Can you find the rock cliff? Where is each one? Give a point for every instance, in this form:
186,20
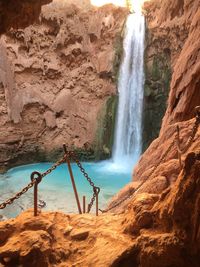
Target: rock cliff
57,77
173,27
172,34
176,26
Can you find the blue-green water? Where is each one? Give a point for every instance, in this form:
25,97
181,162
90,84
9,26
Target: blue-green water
56,189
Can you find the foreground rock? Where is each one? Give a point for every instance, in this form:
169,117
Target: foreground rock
154,230
56,239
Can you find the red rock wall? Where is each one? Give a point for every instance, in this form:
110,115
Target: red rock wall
176,23
179,22
19,13
55,78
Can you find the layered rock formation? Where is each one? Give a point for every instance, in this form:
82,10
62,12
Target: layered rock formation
57,78
172,47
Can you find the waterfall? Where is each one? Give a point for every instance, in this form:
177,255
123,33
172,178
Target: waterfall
128,132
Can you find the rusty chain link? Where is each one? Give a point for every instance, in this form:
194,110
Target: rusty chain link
54,166
177,140
118,203
18,195
96,190
31,184
192,134
136,189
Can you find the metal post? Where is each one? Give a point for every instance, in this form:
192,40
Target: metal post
88,208
97,204
36,181
36,199
73,181
178,146
84,204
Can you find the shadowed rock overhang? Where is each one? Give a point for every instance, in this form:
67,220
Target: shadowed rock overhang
19,13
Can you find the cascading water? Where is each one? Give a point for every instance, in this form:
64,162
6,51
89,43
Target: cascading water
128,132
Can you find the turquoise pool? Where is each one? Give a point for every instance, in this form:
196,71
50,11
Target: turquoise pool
56,189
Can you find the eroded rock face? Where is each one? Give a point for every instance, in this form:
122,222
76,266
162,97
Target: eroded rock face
180,21
163,229
55,78
177,25
174,28
172,48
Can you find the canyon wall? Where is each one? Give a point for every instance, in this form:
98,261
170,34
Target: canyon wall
159,224
57,82
162,201
173,29
170,28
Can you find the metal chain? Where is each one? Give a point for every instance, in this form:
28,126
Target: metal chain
135,190
31,184
54,166
18,195
190,140
96,189
191,137
118,203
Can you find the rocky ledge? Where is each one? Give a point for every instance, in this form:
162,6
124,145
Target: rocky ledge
158,230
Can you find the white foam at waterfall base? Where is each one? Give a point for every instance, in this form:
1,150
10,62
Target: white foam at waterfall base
128,131
123,165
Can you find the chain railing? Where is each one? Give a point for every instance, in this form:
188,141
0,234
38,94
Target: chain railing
96,190
32,183
36,178
191,137
16,196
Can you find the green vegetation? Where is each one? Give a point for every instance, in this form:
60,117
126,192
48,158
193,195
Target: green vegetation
155,72
105,129
118,47
156,90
